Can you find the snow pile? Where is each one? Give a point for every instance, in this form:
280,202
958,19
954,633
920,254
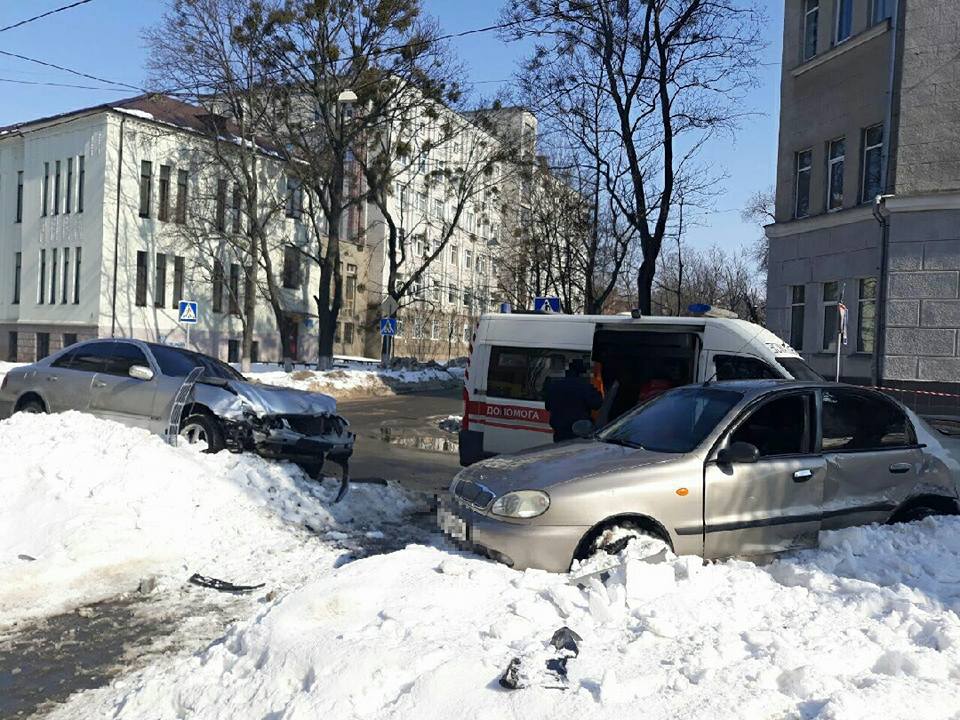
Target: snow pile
356,380
90,507
866,627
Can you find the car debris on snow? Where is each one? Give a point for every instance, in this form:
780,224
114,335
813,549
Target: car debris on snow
221,585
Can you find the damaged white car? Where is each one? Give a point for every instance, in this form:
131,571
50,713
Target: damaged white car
137,383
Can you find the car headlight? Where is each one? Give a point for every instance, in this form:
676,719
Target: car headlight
521,504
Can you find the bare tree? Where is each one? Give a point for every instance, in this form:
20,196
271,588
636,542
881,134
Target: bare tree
194,48
667,75
759,210
342,74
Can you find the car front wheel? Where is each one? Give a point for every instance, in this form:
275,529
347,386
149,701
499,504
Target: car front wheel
32,406
203,429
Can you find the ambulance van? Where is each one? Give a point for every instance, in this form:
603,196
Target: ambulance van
513,356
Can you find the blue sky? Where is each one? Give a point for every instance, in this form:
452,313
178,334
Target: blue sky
102,38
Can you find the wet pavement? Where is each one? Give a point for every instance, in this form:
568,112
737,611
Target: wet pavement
43,662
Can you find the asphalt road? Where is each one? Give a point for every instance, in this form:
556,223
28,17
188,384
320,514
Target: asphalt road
399,438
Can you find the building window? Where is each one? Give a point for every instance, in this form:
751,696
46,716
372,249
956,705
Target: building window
19,214
13,341
797,305
291,268
181,196
844,20
454,254
45,200
803,164
177,281
234,289
17,267
80,176
163,208
56,188
146,181
811,17
54,276
217,286
65,296
76,272
160,281
350,291
236,209
69,339
233,351
867,315
221,218
294,205
141,289
870,172
831,316
438,209
882,9
348,333
43,345
69,188
835,156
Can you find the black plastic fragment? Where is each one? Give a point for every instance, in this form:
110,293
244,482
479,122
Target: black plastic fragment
221,585
510,680
566,639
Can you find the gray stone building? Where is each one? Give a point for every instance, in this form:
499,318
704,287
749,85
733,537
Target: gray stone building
868,190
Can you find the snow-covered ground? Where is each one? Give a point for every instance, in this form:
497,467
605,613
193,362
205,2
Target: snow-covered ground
865,627
354,380
91,507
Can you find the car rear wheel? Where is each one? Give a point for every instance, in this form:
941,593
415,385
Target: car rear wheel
31,405
203,429
915,513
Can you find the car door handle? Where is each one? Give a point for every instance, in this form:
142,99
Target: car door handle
52,378
99,384
802,475
899,468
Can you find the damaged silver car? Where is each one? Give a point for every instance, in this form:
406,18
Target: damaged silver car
715,470
137,383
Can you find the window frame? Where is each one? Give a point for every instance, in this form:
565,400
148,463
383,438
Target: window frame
831,162
163,194
81,175
142,273
69,187
18,215
76,274
146,187
17,276
794,306
807,12
540,353
774,375
839,7
160,280
824,304
56,187
864,151
861,302
797,171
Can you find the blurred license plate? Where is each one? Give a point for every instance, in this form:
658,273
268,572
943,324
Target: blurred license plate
451,524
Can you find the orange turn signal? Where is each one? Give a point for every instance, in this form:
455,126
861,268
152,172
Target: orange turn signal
682,492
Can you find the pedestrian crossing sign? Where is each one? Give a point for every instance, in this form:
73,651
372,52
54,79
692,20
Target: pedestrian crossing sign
388,327
188,312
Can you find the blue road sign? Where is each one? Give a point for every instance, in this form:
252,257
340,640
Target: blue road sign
546,304
189,311
388,326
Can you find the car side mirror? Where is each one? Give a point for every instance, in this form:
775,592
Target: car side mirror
583,428
140,372
738,452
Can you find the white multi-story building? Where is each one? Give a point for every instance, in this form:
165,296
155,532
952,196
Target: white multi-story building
95,208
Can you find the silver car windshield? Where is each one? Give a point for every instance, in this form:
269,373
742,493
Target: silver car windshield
675,422
177,362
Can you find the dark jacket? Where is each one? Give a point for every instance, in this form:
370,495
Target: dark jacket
569,399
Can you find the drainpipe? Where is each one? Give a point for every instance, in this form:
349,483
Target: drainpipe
116,236
880,211
882,216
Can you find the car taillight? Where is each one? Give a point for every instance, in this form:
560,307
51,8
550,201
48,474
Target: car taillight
465,423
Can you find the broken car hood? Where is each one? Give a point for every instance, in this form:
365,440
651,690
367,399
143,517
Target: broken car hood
271,400
541,468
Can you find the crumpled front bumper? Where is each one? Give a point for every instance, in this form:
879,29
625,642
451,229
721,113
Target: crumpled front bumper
517,544
307,439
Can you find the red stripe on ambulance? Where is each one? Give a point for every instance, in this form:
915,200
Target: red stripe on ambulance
509,412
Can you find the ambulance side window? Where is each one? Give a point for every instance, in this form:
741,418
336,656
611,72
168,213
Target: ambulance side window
741,367
521,373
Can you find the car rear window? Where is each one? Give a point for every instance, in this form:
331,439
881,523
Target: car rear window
675,422
518,373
